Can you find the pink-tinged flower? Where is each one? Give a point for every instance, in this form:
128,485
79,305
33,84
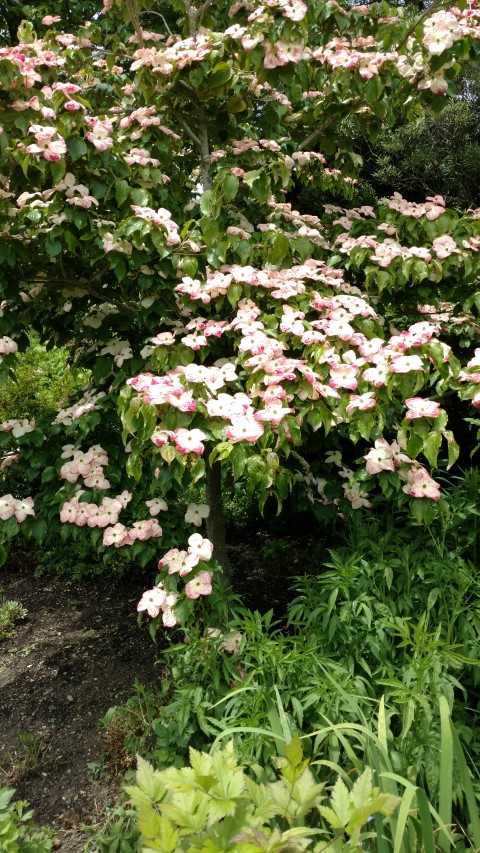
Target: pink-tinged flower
421,485
273,413
420,408
24,508
72,105
445,246
99,137
354,494
196,513
190,441
200,547
343,376
48,20
244,428
405,364
163,339
116,535
152,601
68,513
22,427
124,498
7,507
174,560
384,457
97,480
7,345
201,585
156,505
168,617
362,402
144,530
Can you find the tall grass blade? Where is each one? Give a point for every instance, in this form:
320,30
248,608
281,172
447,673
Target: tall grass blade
446,772
424,808
467,785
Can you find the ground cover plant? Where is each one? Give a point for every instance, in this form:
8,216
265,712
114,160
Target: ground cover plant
148,162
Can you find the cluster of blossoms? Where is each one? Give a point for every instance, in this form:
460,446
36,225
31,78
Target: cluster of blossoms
82,513
345,361
7,346
87,403
339,53
180,563
177,53
119,535
157,600
106,514
162,218
18,507
384,252
431,208
49,143
88,465
389,457
121,351
18,427
472,376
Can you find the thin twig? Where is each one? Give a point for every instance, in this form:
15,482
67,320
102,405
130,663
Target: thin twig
159,15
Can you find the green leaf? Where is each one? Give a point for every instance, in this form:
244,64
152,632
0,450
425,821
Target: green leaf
39,529
230,187
76,147
279,249
190,266
207,202
431,446
340,800
294,751
140,197
53,246
122,189
236,104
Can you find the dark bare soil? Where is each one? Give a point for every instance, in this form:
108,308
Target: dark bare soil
77,653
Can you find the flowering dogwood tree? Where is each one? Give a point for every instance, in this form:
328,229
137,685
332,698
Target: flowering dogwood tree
146,224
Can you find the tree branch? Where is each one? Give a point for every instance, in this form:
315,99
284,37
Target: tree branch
133,15
188,130
437,4
81,285
315,134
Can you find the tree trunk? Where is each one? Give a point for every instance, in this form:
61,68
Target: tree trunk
215,521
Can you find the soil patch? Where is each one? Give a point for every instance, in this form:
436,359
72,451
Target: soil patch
77,653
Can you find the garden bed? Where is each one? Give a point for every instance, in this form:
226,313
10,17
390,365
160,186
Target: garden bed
77,653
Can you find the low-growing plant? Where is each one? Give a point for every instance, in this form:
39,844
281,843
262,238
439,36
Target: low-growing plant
11,612
214,804
117,833
17,832
30,754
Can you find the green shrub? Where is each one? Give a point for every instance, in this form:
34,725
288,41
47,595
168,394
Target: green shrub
314,805
10,613
43,377
17,832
